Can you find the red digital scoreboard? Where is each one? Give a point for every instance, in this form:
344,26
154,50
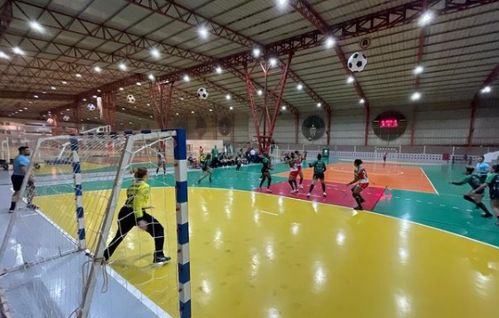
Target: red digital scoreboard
388,123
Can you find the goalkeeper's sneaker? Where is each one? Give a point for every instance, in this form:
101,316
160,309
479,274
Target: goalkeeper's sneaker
161,259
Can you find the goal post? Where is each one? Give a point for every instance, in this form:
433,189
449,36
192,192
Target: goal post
81,182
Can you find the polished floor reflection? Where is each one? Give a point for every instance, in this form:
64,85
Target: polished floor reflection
258,255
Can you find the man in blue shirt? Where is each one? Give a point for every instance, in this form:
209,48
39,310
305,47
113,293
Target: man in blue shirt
482,168
21,163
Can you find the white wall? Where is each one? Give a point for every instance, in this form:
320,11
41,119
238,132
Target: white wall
436,124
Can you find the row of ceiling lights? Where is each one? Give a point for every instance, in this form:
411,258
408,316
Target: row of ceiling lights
203,32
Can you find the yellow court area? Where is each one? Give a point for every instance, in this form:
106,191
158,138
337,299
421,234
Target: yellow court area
256,255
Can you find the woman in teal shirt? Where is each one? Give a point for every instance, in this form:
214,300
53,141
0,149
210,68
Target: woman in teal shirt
492,181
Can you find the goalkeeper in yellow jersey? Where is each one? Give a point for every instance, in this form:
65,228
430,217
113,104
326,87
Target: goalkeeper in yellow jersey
133,213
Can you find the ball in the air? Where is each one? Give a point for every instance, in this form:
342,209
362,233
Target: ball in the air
130,99
202,93
357,62
91,107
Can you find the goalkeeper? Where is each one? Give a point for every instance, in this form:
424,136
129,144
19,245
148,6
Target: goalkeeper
133,214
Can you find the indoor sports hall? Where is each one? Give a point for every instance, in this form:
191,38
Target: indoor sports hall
249,158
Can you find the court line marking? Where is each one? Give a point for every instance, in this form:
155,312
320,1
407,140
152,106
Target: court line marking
128,286
371,212
267,212
341,207
424,173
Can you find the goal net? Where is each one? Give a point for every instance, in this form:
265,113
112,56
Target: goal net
52,254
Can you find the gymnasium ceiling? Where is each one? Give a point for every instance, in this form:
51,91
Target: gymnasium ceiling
459,50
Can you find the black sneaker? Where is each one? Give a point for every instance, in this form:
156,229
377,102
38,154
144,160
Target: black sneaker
486,215
32,206
11,211
359,207
161,259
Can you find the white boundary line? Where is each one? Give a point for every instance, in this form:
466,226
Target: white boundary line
424,173
141,297
371,212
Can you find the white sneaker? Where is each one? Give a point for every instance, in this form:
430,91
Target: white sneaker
324,194
308,195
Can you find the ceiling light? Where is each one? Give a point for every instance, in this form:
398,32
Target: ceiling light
122,66
130,122
36,26
94,96
416,96
231,108
350,79
330,42
283,107
299,87
486,90
187,78
121,89
4,56
228,97
218,70
181,98
282,3
35,96
138,84
256,52
362,101
211,110
98,91
84,99
26,108
203,32
98,69
78,75
64,82
155,53
151,77
425,18
52,88
259,92
273,62
176,114
17,50
192,112
319,104
418,70
67,109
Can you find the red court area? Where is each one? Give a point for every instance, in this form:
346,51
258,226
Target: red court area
389,175
337,193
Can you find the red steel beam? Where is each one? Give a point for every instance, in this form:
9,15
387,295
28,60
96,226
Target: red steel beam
5,17
419,59
381,20
30,95
421,43
269,116
183,14
309,13
491,77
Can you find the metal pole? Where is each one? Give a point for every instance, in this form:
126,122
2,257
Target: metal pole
80,212
106,227
183,257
